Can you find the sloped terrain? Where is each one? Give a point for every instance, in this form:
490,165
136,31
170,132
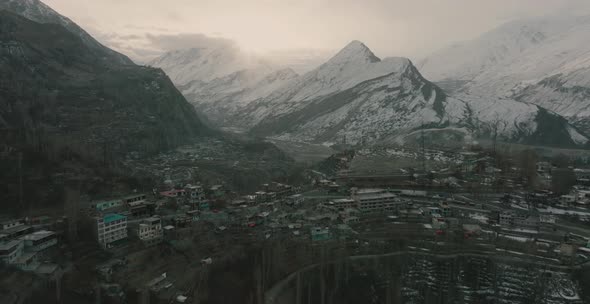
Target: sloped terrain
39,12
543,61
357,98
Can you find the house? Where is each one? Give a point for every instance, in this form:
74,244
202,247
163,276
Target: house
195,194
28,261
445,209
10,251
39,241
506,218
376,200
511,218
106,205
295,199
544,167
438,222
568,199
111,229
217,191
261,197
547,218
134,199
15,231
343,203
320,234
582,174
13,223
470,230
150,231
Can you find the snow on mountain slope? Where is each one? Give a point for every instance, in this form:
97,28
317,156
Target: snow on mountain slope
223,97
544,61
206,64
356,97
218,81
353,65
38,11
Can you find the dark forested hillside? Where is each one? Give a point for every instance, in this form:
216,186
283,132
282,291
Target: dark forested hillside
61,102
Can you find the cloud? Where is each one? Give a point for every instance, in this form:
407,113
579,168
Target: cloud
168,42
143,47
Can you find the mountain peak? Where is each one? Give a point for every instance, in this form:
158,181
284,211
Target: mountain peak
355,51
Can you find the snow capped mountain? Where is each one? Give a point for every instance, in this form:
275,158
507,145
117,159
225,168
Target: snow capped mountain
206,64
356,97
38,11
544,61
299,60
219,81
351,66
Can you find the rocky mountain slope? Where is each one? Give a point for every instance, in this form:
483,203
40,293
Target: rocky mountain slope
67,114
543,61
53,82
39,12
356,97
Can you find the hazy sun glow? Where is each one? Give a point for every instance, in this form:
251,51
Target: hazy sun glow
389,27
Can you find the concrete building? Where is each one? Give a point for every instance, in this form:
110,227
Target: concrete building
10,224
195,194
27,261
506,218
39,241
376,200
344,203
15,232
320,234
11,251
111,228
106,205
295,199
150,231
134,199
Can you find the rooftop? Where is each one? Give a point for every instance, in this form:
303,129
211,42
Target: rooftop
370,190
343,200
369,196
9,245
113,217
35,236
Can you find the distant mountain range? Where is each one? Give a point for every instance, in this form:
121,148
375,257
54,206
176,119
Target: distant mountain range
543,61
355,97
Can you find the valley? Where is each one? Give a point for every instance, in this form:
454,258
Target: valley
214,174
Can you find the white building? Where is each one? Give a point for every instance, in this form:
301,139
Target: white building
376,200
150,230
111,228
11,251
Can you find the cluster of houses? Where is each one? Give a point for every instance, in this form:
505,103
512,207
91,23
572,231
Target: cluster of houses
115,220
27,245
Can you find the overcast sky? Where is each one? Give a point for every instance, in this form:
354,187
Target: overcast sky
412,28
